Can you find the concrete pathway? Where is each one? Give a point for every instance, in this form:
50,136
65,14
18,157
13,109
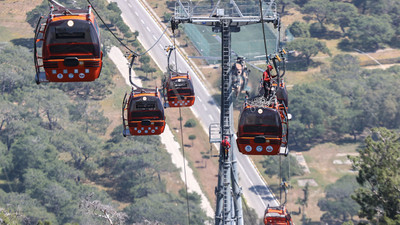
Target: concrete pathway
167,138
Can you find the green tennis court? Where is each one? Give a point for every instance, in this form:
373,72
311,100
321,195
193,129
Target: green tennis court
248,42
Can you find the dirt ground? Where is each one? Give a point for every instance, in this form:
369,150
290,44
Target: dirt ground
322,161
201,159
12,19
112,104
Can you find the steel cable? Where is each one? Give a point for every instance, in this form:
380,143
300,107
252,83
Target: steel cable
184,165
119,40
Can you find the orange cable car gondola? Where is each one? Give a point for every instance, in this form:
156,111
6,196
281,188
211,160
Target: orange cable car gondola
263,123
277,216
70,42
180,91
282,94
262,129
143,113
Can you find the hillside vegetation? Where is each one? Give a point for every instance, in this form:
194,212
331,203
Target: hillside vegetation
56,164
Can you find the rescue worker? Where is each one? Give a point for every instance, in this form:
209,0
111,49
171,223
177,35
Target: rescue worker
226,146
267,80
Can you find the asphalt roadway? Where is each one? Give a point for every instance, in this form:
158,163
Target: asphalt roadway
140,18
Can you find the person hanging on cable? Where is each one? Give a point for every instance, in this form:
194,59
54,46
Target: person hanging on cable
226,146
285,186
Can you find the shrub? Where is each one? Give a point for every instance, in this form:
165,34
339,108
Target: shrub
317,30
190,123
299,29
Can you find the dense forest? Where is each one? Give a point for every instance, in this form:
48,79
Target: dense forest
363,24
56,164
344,102
344,99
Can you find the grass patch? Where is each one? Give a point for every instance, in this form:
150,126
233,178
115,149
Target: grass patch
112,104
6,35
320,160
198,154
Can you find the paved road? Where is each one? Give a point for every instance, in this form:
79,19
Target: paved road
257,194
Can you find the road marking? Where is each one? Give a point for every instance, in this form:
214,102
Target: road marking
260,178
130,6
252,184
198,98
137,14
141,21
161,46
205,107
155,38
209,115
148,29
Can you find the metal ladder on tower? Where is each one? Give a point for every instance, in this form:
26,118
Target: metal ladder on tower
227,86
226,122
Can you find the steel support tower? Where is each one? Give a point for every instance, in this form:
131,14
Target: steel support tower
228,192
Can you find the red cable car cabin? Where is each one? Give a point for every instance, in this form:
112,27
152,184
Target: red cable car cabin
180,90
70,47
282,95
262,130
277,216
145,113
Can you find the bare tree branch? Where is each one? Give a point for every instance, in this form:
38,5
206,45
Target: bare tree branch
96,208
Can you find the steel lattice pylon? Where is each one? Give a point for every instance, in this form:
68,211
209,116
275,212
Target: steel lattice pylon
225,17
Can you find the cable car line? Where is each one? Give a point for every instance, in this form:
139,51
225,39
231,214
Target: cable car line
59,5
166,84
132,54
263,29
176,61
120,41
181,127
151,47
184,165
108,28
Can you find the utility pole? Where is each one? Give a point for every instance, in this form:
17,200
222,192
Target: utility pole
225,21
